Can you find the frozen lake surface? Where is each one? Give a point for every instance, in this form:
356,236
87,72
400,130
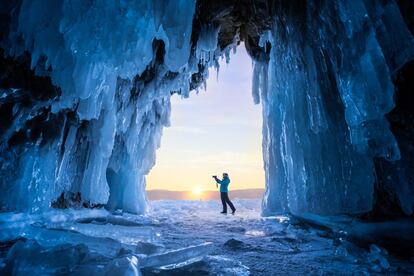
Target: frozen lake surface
181,237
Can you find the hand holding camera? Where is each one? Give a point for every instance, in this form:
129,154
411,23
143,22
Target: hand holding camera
215,177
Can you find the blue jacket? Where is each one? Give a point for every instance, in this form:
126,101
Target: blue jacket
224,184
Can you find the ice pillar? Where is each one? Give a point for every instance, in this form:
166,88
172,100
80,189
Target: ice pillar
325,92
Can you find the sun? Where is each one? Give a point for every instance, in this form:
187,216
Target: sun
197,191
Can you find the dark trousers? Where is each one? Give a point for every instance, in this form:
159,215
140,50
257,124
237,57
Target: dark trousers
225,199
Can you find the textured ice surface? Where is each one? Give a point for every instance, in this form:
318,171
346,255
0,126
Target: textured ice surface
325,92
190,237
120,242
94,51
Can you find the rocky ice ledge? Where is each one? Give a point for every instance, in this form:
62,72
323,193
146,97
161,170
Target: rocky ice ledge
88,241
192,237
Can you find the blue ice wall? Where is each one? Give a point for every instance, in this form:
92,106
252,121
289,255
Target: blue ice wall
325,89
92,51
325,92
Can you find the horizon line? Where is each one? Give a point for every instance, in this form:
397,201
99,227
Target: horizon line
149,190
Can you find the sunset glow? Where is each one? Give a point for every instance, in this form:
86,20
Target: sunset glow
215,131
197,191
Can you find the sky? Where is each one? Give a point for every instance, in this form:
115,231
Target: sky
217,130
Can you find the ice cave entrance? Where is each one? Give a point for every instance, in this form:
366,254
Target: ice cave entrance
217,130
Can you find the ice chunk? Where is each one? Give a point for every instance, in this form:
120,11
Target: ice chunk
49,238
123,234
28,257
125,266
378,260
88,227
177,258
395,235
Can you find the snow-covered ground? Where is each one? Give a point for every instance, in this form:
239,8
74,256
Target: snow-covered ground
181,237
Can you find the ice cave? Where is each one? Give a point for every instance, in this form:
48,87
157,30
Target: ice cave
85,89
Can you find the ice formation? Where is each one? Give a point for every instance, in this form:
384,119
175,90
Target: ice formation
191,238
324,98
94,51
93,242
322,71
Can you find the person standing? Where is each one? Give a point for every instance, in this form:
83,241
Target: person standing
224,193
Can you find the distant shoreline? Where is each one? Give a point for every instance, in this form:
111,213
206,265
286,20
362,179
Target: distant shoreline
160,194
